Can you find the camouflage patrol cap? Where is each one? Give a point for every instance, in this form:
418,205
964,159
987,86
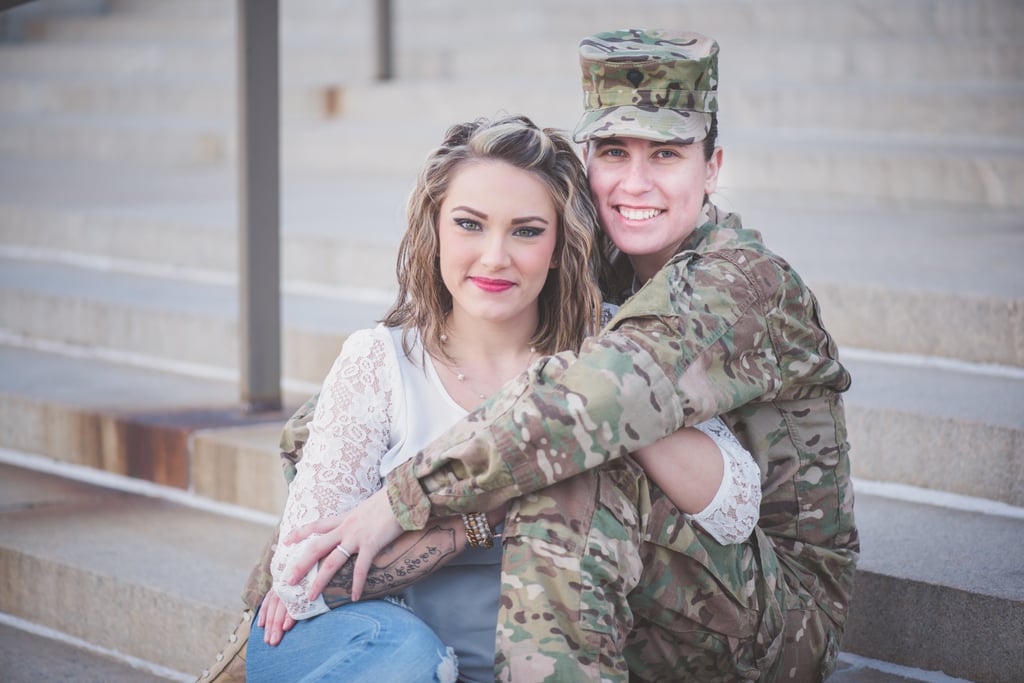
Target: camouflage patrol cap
654,84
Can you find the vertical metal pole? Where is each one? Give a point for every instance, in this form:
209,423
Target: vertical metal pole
259,205
385,48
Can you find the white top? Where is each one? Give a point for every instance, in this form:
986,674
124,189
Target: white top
378,408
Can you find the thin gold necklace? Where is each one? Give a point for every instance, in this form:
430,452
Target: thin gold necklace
461,376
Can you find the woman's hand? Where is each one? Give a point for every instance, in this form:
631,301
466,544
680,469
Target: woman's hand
274,619
360,533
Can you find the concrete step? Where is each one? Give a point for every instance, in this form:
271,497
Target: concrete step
918,109
169,321
300,22
941,428
986,172
336,235
29,654
71,550
135,421
864,19
324,62
870,19
819,61
189,99
895,168
947,429
438,47
154,21
903,279
915,610
173,323
934,428
178,590
915,108
893,279
167,141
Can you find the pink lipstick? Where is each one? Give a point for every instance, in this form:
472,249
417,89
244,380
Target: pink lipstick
489,285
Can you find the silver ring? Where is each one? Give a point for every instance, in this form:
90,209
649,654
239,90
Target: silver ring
342,549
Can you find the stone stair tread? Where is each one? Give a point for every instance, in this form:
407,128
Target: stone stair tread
869,16
930,248
825,60
217,60
151,424
341,232
339,314
47,516
918,108
969,251
939,427
200,558
340,205
937,578
366,207
850,252
176,572
920,167
946,393
866,19
218,301
948,429
27,657
101,386
898,538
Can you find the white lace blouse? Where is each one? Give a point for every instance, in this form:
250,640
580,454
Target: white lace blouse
361,430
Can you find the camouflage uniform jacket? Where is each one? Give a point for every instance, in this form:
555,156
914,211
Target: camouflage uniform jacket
725,328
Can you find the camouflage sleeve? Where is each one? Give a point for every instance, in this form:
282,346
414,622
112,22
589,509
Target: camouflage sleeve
692,344
294,436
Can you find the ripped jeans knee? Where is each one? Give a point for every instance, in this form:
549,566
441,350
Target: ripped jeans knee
370,641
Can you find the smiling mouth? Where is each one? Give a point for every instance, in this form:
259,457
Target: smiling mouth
638,214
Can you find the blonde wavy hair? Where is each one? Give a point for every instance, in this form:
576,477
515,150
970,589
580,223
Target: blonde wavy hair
570,302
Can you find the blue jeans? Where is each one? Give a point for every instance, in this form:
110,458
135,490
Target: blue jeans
371,641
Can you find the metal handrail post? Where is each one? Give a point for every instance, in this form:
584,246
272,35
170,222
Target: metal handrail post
259,209
385,44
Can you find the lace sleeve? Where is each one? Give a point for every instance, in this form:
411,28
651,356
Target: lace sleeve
348,436
733,513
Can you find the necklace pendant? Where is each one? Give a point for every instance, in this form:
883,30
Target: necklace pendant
459,376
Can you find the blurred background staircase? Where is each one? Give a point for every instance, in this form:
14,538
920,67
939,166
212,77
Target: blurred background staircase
878,145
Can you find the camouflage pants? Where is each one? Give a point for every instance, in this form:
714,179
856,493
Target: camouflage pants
592,590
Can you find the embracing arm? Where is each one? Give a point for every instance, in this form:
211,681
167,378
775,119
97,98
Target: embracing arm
399,564
667,362
702,338
403,562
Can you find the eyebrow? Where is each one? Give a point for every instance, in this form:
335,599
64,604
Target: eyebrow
515,221
618,141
